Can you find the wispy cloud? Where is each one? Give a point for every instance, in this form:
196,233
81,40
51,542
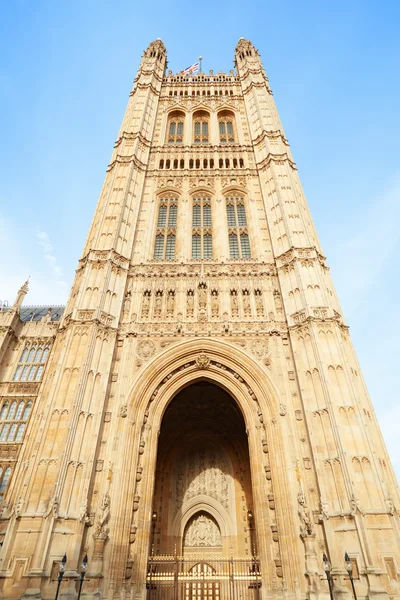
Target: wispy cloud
45,243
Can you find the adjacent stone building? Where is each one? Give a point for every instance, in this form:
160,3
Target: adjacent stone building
195,419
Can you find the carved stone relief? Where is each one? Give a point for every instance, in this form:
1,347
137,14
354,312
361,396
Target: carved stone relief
203,472
145,349
202,530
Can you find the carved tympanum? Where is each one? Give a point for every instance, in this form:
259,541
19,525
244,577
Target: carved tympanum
202,530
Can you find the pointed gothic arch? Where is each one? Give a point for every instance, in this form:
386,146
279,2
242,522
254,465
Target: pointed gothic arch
152,390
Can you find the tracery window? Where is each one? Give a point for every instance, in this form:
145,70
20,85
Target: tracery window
5,472
175,127
239,243
13,419
164,246
31,363
201,227
200,127
226,127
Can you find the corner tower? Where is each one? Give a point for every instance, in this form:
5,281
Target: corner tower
201,428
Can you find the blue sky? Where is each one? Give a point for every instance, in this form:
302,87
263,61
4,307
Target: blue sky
66,69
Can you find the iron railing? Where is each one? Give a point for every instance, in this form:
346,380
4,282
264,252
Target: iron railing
205,578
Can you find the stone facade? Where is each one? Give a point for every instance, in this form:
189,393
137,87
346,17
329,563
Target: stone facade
200,391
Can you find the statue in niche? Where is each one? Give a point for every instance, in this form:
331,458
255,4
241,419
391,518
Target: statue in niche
259,303
306,527
234,303
146,303
202,295
246,303
214,303
202,530
278,302
171,302
158,304
190,303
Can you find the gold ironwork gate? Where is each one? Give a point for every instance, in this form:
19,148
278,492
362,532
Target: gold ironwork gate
208,578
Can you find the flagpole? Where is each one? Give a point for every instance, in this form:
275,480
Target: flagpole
200,59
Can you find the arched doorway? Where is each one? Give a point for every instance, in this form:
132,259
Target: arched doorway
203,529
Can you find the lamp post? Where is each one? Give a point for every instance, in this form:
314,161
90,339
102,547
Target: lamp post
61,572
153,529
83,572
349,569
327,569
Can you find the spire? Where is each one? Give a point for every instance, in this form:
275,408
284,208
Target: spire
22,292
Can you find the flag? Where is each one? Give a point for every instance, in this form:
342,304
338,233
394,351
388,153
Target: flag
190,70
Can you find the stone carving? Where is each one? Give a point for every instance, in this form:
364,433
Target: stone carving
202,530
52,507
132,534
18,506
306,526
259,347
390,505
202,295
123,411
234,303
324,510
246,303
202,472
102,529
190,303
158,304
259,303
203,361
145,349
171,303
146,304
214,303
282,409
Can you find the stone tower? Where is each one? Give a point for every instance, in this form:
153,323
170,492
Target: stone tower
195,420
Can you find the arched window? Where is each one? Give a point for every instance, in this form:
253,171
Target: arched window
21,406
4,411
201,227
164,247
31,363
4,479
20,433
27,411
176,120
13,420
239,243
200,127
226,124
11,411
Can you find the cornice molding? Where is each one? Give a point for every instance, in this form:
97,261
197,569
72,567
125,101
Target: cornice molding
275,158
128,135
299,254
270,135
126,160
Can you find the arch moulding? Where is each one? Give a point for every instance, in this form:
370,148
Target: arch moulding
150,393
202,358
